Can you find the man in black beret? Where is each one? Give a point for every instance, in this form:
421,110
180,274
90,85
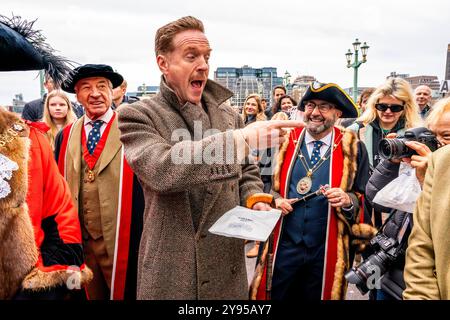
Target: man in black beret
104,189
311,243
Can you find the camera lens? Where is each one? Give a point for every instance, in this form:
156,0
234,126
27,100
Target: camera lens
355,277
394,149
385,149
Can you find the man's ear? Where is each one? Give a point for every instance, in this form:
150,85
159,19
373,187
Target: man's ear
163,63
339,113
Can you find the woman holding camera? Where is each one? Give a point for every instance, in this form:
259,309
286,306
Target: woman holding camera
392,283
391,108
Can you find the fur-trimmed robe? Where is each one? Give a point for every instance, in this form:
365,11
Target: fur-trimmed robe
349,152
40,238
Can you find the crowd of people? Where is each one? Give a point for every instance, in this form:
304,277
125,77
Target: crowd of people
99,201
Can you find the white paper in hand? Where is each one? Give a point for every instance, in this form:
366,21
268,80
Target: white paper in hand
244,223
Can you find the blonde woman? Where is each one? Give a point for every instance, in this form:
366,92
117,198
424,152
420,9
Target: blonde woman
391,108
57,114
253,109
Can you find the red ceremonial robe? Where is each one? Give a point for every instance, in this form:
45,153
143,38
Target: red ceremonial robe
129,218
342,173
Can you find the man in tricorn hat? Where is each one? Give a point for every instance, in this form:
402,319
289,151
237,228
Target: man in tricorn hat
105,190
310,245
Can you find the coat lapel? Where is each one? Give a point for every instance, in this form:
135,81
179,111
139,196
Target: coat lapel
74,147
112,146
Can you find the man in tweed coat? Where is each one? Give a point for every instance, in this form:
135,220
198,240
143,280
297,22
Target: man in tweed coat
189,184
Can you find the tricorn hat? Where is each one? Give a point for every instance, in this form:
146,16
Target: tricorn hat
89,71
22,48
332,93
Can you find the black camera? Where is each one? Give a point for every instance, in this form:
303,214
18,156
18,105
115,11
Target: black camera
386,252
397,149
387,247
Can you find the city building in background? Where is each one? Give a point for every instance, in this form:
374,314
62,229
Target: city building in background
298,88
398,75
415,81
431,81
18,104
247,80
144,91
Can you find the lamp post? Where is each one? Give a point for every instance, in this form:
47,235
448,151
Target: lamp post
287,82
41,82
356,63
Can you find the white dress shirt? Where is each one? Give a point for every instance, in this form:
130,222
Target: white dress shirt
309,140
106,118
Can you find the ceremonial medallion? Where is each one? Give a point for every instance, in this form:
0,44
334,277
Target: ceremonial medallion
304,185
90,176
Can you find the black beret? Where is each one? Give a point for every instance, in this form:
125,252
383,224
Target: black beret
89,71
332,93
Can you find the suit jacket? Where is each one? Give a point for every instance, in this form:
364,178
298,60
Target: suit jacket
427,269
107,177
176,259
34,109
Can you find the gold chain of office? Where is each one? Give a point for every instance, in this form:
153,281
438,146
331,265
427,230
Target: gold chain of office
11,134
304,184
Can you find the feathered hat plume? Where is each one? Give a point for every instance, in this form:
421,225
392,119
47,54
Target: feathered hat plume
23,48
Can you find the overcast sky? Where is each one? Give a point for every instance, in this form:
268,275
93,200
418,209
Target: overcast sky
303,37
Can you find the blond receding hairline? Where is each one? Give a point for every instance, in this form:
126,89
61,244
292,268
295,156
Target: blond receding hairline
165,35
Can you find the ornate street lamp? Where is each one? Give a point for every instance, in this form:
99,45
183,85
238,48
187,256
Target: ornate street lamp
356,63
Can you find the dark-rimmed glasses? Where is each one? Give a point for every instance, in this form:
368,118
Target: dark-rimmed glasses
323,107
393,107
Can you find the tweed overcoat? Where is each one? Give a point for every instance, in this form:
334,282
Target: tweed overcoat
176,260
427,268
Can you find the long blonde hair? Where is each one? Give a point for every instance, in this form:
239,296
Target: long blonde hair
400,89
47,118
260,115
